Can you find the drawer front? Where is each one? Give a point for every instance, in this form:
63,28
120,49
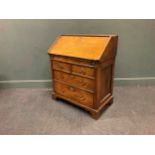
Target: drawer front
83,70
74,93
74,60
61,66
74,80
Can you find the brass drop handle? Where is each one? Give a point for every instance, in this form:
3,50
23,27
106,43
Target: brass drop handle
82,83
60,66
82,70
62,76
71,88
82,98
71,76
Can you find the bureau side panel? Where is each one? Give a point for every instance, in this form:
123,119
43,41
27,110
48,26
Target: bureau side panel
104,82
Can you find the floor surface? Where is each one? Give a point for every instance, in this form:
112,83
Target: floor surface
32,111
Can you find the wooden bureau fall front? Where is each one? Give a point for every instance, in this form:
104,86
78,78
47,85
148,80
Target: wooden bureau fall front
82,70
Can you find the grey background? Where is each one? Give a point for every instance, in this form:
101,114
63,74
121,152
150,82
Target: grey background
24,44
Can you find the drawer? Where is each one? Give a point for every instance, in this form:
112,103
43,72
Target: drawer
74,80
61,66
74,60
86,71
74,94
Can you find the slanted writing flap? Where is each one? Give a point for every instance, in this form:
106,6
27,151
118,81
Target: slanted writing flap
80,46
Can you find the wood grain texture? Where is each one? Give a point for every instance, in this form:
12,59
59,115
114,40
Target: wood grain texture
61,66
85,47
74,93
83,70
76,61
74,80
84,82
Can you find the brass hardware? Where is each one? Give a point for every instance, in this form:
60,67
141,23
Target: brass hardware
82,71
71,76
93,63
72,89
82,98
81,81
60,66
83,84
62,76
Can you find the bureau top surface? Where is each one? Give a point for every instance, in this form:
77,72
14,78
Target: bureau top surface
80,46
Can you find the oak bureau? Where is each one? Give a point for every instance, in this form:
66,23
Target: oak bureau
82,70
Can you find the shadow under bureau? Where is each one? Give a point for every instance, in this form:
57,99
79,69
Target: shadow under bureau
82,70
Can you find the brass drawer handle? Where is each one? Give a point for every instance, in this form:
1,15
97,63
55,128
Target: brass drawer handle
82,98
60,66
62,77
71,76
71,88
82,71
82,83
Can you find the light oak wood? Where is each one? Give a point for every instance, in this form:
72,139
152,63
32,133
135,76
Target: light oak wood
76,61
86,47
90,72
83,70
74,93
61,66
87,84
